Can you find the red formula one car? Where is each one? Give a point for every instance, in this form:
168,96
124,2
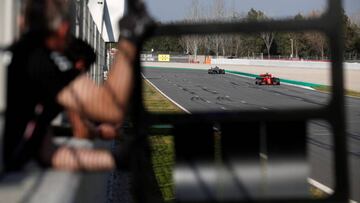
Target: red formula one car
267,79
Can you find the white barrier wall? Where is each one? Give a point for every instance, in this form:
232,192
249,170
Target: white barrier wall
7,35
281,63
7,24
4,61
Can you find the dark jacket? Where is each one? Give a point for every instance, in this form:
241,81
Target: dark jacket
35,77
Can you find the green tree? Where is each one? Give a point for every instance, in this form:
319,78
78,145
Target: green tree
351,36
267,37
163,44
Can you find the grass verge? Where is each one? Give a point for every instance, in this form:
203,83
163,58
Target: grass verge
324,88
316,193
156,102
162,146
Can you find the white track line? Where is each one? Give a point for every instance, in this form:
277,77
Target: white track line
162,93
320,186
324,188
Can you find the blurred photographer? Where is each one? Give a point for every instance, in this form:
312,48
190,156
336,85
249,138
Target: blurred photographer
40,68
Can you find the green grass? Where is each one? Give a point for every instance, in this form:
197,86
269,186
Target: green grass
163,162
162,146
324,88
155,102
316,193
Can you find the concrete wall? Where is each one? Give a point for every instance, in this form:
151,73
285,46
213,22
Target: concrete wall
7,21
306,71
311,75
2,81
282,63
8,12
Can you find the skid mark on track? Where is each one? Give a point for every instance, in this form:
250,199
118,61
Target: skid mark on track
208,90
197,98
234,83
281,92
222,98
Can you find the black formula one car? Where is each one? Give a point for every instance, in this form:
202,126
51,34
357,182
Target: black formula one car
267,79
216,70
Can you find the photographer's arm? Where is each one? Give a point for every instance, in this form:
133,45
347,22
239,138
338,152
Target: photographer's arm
106,102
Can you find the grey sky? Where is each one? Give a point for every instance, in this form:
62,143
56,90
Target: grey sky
170,10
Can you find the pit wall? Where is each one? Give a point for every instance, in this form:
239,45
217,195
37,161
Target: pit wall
310,74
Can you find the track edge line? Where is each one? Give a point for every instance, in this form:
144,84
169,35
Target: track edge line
167,97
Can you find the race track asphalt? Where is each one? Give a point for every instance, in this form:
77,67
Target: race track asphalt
195,90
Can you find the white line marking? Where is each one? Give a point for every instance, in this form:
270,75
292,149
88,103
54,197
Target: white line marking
241,75
181,107
244,102
324,188
321,186
223,108
207,101
263,156
304,87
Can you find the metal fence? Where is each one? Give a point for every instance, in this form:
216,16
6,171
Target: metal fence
192,154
